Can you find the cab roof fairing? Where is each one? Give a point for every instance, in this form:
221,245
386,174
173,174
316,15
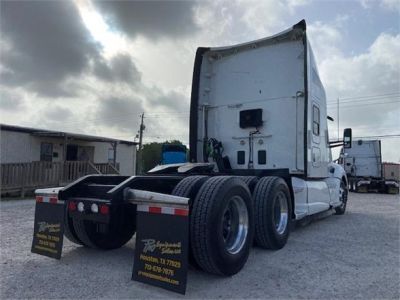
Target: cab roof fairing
295,33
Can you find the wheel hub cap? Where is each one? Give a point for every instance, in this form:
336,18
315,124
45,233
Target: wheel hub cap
235,224
280,213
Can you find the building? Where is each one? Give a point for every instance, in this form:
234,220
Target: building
391,171
60,155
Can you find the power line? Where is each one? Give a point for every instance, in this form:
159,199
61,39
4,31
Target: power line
165,135
363,101
168,113
378,136
161,117
366,104
366,96
369,127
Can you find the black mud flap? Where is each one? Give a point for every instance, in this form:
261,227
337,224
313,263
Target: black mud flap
48,233
162,242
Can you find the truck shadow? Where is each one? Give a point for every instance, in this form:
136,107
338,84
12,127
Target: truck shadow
306,221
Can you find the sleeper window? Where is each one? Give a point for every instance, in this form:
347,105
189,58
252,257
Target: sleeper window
315,120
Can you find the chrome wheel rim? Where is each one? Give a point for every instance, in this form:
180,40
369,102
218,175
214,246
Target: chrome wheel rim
280,213
235,224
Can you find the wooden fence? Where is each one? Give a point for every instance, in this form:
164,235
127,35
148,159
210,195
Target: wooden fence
25,177
107,168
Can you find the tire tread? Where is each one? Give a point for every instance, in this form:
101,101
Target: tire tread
200,216
264,235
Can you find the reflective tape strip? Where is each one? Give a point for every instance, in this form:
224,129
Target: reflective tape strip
48,199
163,210
155,209
181,212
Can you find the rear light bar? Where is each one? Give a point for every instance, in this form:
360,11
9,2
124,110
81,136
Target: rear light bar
94,207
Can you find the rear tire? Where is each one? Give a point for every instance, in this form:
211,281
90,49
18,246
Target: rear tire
251,181
221,225
188,187
114,235
340,210
273,212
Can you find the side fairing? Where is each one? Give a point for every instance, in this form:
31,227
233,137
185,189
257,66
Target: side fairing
336,175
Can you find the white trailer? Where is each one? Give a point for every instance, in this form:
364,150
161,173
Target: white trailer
363,165
260,158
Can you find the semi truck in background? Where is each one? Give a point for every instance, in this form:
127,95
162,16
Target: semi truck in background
363,165
260,159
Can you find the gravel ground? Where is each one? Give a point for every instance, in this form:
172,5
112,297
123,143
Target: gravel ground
351,256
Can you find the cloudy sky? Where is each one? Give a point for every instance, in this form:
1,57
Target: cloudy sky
93,67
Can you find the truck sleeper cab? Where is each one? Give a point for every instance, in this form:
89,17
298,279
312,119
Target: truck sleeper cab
259,158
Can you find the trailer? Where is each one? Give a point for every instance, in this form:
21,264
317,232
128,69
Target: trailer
391,171
260,159
363,165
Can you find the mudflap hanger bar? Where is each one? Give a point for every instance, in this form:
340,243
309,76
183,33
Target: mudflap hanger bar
157,199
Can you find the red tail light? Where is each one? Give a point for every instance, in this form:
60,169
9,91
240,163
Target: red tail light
104,209
71,206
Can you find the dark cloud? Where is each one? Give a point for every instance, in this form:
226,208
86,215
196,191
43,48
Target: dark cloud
46,42
154,19
167,101
120,68
121,113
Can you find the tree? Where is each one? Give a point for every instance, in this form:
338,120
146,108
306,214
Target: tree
152,153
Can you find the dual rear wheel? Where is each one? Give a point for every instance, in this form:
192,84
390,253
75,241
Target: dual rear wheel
226,217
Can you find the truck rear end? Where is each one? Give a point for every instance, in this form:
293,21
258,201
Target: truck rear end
363,165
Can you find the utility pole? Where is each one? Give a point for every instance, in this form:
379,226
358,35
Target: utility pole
338,133
140,153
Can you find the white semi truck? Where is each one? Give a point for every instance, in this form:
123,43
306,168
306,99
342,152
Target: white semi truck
260,159
363,165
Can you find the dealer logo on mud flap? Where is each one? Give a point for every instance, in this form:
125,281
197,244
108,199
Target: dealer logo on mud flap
161,253
48,232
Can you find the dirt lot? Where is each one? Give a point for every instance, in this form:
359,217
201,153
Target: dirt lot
352,256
